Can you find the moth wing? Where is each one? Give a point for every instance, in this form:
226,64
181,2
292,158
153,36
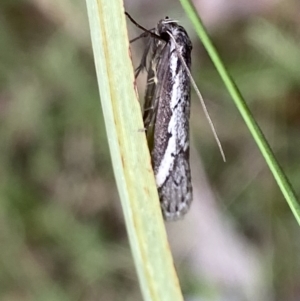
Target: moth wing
176,193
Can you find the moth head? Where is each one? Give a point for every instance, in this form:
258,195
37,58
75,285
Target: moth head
165,26
168,27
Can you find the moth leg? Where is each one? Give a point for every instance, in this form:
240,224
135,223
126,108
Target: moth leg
143,35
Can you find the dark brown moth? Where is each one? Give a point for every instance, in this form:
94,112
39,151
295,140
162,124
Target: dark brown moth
166,114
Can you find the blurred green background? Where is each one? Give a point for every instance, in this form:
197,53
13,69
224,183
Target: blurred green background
62,234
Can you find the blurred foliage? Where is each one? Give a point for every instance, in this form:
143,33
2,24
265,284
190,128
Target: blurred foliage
263,58
62,235
59,223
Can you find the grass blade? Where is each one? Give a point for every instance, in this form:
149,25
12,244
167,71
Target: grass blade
240,103
129,152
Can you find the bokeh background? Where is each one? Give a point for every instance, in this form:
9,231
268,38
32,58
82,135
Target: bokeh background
62,233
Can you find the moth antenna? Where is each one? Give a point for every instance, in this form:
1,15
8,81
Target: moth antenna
149,32
200,97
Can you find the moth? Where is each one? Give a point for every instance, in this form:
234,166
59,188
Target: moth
166,113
